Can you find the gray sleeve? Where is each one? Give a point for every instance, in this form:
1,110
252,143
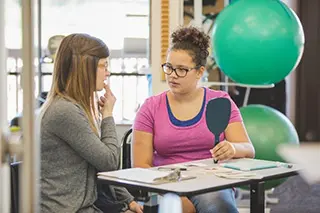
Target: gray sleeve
71,125
121,194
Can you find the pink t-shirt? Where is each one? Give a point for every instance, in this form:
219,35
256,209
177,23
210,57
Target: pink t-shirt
176,144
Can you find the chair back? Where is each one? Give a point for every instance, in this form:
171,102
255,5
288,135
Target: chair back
126,149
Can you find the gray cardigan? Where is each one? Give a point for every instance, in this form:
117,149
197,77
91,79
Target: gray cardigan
71,156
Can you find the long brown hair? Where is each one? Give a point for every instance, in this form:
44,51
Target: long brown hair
75,71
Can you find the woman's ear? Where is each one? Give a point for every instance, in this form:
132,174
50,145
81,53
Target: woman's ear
200,72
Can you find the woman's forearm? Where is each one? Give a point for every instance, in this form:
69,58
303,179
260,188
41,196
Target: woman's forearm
142,165
244,150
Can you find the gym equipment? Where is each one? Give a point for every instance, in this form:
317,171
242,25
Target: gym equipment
257,42
268,128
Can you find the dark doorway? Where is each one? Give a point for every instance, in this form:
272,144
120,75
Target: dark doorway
308,74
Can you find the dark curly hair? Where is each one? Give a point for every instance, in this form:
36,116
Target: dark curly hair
194,41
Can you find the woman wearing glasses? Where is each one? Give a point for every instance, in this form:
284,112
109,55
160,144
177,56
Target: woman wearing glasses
171,128
77,139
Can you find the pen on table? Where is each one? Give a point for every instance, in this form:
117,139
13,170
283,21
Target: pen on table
286,165
214,160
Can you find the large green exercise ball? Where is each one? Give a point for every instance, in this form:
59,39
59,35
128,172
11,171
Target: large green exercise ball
267,128
257,42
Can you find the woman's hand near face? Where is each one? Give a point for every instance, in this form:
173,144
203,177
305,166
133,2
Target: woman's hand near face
107,102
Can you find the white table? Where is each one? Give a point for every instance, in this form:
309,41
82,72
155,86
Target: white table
204,183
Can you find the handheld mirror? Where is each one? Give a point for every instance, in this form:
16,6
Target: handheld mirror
218,112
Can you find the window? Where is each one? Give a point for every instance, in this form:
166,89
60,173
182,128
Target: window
122,24
127,83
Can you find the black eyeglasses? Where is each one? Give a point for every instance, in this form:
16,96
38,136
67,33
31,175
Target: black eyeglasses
179,71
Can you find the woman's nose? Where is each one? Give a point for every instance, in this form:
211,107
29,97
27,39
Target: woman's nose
173,74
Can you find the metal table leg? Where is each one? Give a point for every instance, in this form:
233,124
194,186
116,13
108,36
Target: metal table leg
151,206
257,200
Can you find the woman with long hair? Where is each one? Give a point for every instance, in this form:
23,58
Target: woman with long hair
78,137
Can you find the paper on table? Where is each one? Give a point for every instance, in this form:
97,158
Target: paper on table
136,174
233,174
142,175
195,165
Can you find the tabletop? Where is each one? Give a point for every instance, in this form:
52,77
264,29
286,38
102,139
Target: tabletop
205,180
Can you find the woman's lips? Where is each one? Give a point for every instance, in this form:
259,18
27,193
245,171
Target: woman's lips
174,84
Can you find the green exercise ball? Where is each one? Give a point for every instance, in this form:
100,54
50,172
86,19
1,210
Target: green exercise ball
267,128
257,42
